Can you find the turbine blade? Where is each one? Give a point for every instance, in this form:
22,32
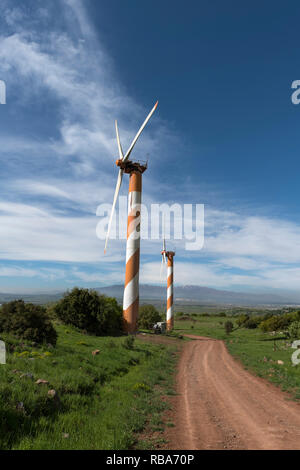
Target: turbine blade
121,155
139,132
161,268
117,190
164,237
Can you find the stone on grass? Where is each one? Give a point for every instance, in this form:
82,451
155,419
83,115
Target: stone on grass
27,374
41,382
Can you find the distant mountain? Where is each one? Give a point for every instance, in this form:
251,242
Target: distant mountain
40,299
183,295
200,295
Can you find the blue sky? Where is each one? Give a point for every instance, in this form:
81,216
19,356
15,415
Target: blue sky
225,134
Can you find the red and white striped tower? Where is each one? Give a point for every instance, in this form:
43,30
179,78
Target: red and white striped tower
131,289
135,170
169,255
170,313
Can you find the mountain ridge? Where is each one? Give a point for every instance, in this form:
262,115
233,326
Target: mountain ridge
200,295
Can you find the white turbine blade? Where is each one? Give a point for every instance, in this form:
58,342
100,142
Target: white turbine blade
161,268
118,186
121,155
164,240
140,131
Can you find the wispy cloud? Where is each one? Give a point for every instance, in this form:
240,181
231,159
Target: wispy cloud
59,165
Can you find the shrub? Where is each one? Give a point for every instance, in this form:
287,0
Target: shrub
128,342
27,321
228,327
89,311
148,315
294,330
242,319
278,322
141,387
252,323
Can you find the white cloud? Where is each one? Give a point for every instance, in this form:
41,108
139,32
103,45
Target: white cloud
75,170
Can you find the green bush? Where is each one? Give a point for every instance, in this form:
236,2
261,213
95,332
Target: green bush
89,311
278,322
228,327
294,330
148,315
252,323
27,321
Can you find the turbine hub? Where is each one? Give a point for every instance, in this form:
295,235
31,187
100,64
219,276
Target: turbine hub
130,167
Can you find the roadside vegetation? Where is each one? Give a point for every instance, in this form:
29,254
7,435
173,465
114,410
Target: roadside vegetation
82,391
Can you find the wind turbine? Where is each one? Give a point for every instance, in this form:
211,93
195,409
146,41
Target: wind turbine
135,171
167,257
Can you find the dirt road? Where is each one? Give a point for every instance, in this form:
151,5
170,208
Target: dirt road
222,406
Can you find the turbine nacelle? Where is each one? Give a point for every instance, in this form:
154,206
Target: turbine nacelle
168,254
129,167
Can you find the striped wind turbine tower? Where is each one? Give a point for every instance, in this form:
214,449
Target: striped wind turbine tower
168,257
135,171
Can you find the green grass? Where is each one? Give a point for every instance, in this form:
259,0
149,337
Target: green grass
104,401
253,348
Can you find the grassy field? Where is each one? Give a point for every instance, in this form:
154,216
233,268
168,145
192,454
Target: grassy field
253,348
100,402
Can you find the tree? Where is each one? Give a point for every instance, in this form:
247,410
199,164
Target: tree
27,321
278,322
252,323
148,315
87,310
242,319
294,330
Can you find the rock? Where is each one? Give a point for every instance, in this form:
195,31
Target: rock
52,394
280,362
41,381
30,376
96,352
